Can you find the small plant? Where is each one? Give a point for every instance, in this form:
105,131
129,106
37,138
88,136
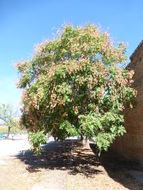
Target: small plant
36,139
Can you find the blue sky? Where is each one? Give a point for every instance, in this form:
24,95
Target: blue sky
24,23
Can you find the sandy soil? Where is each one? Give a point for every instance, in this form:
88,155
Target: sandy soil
12,147
20,169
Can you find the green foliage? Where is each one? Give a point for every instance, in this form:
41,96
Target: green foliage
76,85
15,129
9,117
102,128
36,139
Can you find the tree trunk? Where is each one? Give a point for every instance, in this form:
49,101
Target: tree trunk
81,137
8,132
85,143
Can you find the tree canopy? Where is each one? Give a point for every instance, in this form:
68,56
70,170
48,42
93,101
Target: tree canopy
8,116
76,85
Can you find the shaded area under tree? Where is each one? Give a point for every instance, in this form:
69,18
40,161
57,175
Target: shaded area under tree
56,156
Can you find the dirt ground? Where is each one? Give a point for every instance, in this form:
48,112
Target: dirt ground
52,170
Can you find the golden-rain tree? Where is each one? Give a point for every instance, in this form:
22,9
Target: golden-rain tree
76,85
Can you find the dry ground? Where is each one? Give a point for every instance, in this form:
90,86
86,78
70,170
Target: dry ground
52,170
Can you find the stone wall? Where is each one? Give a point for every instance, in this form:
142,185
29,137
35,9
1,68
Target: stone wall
131,144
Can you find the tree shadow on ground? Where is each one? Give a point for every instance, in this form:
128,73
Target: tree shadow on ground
85,162
118,168
57,155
